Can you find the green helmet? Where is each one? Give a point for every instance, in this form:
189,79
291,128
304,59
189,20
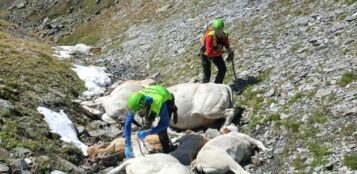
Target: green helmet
218,24
136,101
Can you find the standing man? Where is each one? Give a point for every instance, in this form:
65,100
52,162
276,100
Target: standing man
213,41
151,102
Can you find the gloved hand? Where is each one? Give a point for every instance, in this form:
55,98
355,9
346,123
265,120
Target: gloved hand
142,134
127,152
230,56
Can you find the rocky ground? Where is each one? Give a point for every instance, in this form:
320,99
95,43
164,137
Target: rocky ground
296,62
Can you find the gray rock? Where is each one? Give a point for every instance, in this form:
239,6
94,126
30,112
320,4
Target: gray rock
270,93
80,129
5,104
19,166
351,17
113,131
97,133
21,152
4,168
18,4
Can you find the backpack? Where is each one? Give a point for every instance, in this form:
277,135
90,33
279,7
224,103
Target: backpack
203,38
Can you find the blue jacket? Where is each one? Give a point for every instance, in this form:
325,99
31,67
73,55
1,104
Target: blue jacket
162,125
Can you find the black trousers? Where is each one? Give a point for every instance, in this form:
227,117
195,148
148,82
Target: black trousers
206,65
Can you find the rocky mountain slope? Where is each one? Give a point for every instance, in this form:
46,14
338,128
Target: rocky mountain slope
296,62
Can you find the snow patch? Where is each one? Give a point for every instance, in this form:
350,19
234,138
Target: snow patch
59,123
95,78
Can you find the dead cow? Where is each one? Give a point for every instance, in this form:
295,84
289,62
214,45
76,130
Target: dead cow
200,105
189,146
158,163
225,152
117,147
115,104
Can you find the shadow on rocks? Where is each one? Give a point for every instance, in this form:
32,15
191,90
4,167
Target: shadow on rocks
240,84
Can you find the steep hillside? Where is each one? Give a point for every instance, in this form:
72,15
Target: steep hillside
31,77
296,62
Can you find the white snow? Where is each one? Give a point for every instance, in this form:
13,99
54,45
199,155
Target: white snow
62,51
59,123
95,78
57,172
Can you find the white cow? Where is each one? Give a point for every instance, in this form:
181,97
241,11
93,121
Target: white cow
158,163
225,152
202,104
83,49
115,104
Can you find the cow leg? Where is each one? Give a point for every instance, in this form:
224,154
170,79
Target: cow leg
256,143
229,115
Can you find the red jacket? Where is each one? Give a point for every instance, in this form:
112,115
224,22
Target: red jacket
215,51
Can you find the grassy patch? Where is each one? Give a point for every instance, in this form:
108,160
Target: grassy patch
28,71
350,2
317,117
295,47
348,129
298,163
264,75
347,78
319,152
292,125
5,112
87,34
251,98
351,161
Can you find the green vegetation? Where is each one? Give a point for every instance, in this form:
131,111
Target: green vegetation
319,152
317,118
87,7
348,130
350,2
295,47
347,78
29,74
251,98
351,161
298,163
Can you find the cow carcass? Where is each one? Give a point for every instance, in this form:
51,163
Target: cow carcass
115,104
158,163
200,105
189,146
151,144
225,152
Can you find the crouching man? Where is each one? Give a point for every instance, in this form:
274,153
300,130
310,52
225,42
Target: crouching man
153,101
